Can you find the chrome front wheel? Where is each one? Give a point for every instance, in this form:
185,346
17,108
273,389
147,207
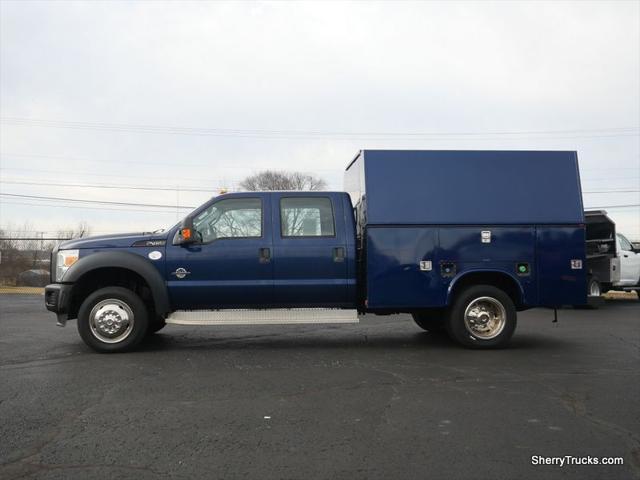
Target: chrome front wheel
111,320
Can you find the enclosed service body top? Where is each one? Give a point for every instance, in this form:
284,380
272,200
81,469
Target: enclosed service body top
446,187
427,220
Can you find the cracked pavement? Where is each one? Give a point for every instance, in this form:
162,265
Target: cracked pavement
381,399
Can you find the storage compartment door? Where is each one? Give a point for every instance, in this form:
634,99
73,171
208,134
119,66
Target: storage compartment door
562,269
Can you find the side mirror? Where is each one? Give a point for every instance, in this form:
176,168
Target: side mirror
186,234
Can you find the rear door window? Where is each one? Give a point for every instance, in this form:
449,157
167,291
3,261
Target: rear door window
306,217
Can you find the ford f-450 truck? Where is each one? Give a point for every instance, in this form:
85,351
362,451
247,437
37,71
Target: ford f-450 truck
461,240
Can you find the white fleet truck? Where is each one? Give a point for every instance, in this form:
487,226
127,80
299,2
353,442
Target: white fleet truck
613,261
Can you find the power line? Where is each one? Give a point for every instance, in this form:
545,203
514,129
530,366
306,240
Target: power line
190,189
301,134
117,187
94,173
86,207
630,205
33,238
180,163
101,202
178,181
177,163
610,168
608,179
611,191
231,186
42,232
91,160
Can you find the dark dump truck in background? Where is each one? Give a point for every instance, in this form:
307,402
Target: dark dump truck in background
461,240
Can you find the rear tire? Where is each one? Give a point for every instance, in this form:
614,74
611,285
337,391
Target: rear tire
594,289
594,294
430,320
112,319
482,316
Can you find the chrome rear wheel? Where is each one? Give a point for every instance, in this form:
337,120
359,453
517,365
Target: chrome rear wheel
482,316
485,318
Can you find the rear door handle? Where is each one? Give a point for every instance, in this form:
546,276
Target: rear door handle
265,255
338,254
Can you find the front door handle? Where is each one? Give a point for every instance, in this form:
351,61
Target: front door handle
181,272
265,255
338,254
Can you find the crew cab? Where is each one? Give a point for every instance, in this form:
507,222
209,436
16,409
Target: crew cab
461,240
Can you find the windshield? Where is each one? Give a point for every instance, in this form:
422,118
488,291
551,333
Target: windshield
624,243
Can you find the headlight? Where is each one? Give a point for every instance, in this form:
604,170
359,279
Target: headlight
64,260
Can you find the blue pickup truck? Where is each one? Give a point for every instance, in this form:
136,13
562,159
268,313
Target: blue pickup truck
461,240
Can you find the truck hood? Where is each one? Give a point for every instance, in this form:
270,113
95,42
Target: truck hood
122,240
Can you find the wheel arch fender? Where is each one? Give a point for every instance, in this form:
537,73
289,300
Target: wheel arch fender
497,278
126,261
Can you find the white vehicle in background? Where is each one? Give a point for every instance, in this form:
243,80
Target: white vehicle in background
612,260
629,264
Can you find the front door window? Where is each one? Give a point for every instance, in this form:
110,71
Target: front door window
232,218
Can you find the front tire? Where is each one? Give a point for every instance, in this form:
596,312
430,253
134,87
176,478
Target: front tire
482,316
112,319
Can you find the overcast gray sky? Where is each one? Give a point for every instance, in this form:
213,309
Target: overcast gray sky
198,95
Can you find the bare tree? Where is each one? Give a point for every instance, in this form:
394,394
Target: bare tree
83,229
278,180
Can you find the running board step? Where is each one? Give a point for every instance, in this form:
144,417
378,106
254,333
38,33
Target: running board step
279,316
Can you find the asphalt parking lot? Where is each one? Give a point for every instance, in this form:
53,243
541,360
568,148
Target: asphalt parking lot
381,399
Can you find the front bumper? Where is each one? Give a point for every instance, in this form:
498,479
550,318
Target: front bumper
57,297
